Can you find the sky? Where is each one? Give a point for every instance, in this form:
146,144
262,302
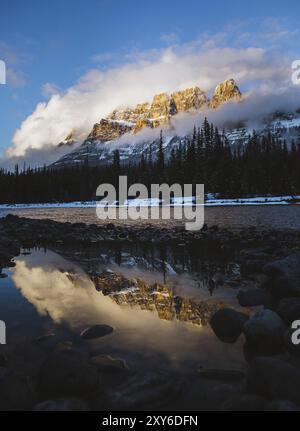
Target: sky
71,61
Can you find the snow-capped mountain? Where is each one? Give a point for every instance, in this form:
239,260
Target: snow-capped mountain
99,146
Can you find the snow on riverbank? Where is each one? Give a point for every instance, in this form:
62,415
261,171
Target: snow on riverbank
261,200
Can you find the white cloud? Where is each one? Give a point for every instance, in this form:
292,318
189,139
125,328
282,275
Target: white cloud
98,92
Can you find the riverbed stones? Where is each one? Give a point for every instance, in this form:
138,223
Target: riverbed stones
62,405
274,378
222,374
264,333
245,403
96,331
108,363
15,392
289,309
285,275
67,373
228,324
281,406
249,297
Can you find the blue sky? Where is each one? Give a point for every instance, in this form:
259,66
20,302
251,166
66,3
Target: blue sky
59,41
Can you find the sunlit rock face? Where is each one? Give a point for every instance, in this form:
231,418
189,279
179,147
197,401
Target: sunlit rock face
155,297
108,130
189,99
227,90
160,111
69,140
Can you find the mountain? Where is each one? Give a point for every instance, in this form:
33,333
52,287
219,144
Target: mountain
98,148
98,144
162,108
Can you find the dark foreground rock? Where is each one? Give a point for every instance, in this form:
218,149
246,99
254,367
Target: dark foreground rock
228,324
62,405
289,310
285,275
274,379
264,333
245,403
249,297
282,406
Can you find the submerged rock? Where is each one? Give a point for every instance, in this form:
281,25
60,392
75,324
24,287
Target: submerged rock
222,374
96,331
67,373
107,363
62,405
227,324
15,393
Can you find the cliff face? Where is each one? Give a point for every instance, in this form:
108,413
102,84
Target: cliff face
107,130
227,90
161,110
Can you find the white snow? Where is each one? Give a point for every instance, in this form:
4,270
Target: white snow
185,201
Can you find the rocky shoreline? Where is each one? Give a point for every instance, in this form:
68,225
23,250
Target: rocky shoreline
76,380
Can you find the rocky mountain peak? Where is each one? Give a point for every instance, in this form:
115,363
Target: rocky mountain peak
160,110
227,90
189,99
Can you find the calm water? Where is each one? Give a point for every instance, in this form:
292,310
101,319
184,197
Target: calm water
49,291
261,216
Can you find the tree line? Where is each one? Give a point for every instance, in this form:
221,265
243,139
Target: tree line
263,165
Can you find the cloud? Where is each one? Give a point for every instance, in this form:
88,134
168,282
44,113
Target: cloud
205,62
49,89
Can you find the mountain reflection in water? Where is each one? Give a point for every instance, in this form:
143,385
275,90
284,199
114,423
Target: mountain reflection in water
150,316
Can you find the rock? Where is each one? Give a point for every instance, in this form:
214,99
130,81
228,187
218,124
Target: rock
3,360
264,333
252,266
293,349
158,389
245,403
274,378
249,297
281,406
67,373
285,275
227,324
15,393
217,395
289,309
62,405
227,90
107,363
222,374
96,331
